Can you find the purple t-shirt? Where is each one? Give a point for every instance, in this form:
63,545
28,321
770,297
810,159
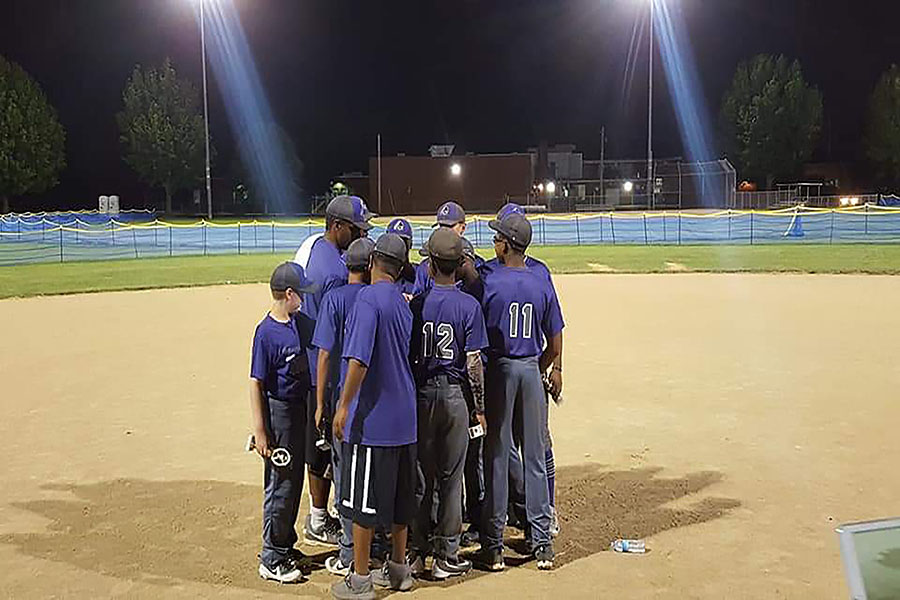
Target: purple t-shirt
327,270
425,282
377,335
278,358
519,307
447,323
329,333
532,264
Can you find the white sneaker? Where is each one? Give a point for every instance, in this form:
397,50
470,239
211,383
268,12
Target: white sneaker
284,572
334,566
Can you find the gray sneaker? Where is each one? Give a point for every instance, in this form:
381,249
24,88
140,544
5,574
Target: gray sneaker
416,563
327,535
396,576
354,587
445,568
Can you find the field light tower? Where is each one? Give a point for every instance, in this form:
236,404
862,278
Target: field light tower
202,3
650,115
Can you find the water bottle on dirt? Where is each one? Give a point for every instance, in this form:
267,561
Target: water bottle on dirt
629,546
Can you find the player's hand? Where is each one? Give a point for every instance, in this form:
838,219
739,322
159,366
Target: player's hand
556,383
407,297
320,411
482,421
337,425
262,443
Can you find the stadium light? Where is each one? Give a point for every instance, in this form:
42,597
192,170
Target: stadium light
455,169
551,188
628,187
202,3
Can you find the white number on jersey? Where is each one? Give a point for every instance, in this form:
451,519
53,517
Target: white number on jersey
527,312
444,349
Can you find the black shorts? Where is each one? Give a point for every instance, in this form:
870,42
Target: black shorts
317,460
378,484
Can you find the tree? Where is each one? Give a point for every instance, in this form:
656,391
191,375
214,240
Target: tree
882,138
161,129
771,118
32,141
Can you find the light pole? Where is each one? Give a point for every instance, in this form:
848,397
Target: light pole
209,213
650,118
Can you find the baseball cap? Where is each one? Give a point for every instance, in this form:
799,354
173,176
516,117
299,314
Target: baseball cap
515,228
510,208
444,244
357,254
468,249
401,227
392,246
450,213
290,275
352,209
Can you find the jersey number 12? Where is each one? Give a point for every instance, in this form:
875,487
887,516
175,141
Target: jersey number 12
527,312
444,348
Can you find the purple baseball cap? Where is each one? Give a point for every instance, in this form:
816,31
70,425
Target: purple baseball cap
450,213
511,208
401,227
352,209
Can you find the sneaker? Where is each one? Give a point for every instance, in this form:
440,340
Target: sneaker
327,535
470,538
554,522
416,563
302,561
444,568
492,560
544,556
334,566
354,587
395,576
287,571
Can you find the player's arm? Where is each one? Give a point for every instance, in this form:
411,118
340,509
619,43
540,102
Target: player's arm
475,369
556,380
356,373
551,352
258,418
321,382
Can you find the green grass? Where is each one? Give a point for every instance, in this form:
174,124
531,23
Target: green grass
77,277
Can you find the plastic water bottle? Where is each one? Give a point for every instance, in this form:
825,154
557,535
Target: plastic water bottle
629,546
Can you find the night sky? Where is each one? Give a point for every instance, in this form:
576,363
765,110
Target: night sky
486,75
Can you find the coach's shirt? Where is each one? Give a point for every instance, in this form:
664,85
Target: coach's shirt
329,333
378,332
518,307
278,357
327,270
447,324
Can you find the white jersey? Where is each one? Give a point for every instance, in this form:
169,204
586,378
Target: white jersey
302,256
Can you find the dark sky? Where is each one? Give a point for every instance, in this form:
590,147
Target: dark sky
486,75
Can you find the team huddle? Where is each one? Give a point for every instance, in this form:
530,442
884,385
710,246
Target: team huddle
419,391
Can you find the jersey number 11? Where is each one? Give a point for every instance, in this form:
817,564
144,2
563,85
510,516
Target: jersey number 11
527,311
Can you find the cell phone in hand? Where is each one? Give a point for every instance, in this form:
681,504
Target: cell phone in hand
476,431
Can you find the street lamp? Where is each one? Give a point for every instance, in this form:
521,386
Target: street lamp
628,187
455,169
551,188
202,3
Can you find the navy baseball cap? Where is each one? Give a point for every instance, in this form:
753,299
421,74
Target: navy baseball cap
401,227
358,253
392,246
444,244
510,208
450,213
352,209
515,228
290,275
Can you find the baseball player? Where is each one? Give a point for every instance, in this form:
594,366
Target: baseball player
407,279
452,216
279,384
376,423
346,219
554,379
329,339
521,310
447,339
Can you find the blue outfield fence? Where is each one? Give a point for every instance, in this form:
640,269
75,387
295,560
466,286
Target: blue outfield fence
63,237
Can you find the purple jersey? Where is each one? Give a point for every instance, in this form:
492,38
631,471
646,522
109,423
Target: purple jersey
329,333
532,264
518,308
447,324
425,282
278,358
377,335
327,270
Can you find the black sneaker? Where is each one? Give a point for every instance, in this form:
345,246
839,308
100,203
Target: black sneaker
302,561
544,556
470,538
492,560
443,568
329,534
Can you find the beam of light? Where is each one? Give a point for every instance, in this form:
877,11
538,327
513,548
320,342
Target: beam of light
634,47
263,150
681,75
